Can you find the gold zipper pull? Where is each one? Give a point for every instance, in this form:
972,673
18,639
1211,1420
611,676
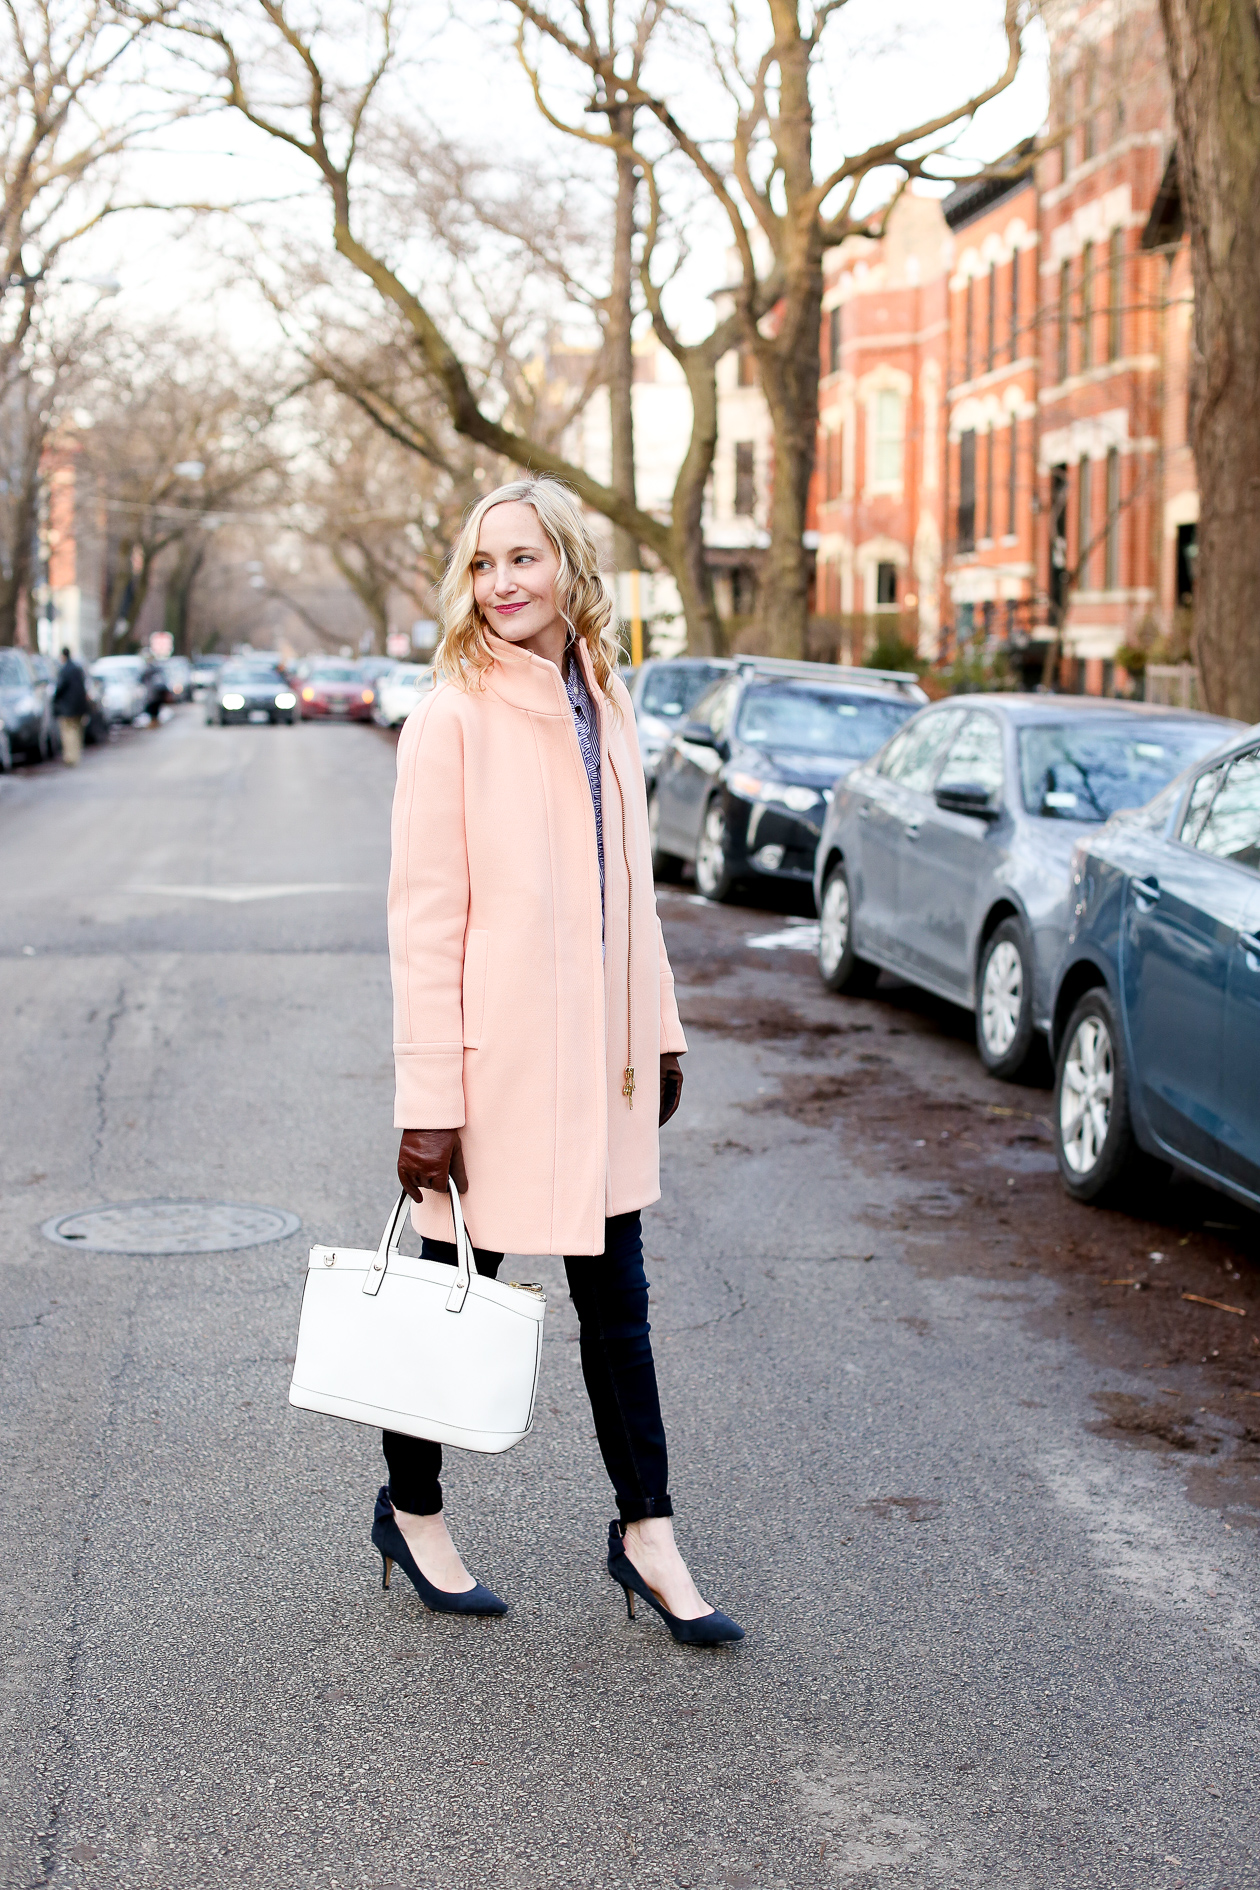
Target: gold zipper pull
627,1087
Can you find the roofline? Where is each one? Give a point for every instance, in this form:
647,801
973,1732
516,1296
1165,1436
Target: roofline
974,196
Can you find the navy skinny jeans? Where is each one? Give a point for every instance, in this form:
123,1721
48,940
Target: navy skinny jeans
610,1292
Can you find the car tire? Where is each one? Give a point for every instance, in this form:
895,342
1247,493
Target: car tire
1004,1002
665,866
6,754
839,966
1093,1130
714,877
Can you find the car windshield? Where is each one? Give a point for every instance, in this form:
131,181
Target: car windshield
1089,770
336,675
670,690
820,721
255,673
12,670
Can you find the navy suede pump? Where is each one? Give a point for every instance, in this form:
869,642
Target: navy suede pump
389,1539
708,1630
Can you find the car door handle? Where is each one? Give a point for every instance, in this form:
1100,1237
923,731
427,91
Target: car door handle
911,830
1250,943
1146,891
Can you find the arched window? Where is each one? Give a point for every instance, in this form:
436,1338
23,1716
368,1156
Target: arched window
889,440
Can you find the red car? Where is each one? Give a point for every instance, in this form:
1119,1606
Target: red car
337,693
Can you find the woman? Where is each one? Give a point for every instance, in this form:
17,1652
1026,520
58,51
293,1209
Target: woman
533,1004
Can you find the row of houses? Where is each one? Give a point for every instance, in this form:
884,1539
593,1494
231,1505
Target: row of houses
1002,456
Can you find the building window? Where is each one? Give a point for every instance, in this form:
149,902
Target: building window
967,490
1087,306
889,435
835,333
991,358
885,585
1084,523
745,486
1115,295
1012,486
1187,552
969,331
1065,318
1014,305
1111,581
747,375
1090,90
990,439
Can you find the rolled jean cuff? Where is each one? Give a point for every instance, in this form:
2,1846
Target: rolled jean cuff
642,1507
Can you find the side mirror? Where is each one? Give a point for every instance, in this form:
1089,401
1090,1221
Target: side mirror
967,797
699,734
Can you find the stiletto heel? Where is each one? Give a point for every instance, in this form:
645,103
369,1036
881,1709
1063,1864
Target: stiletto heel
709,1630
389,1539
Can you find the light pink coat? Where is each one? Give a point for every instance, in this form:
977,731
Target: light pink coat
510,1023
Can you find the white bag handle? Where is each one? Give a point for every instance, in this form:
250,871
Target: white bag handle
393,1234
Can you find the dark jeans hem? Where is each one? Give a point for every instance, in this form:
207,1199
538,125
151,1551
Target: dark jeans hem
639,1509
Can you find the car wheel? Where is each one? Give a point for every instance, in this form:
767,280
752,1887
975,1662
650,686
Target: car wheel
6,754
666,866
713,872
1093,1134
1004,1002
839,966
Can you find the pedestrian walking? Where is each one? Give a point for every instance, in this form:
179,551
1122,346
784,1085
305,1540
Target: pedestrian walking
70,704
536,1037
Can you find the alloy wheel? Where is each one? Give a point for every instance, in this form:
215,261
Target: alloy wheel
833,925
711,852
1085,1096
1002,997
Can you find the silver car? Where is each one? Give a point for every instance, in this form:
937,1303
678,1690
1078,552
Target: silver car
944,858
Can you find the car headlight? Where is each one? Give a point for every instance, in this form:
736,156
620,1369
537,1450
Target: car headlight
308,694
285,701
234,702
797,800
369,695
25,704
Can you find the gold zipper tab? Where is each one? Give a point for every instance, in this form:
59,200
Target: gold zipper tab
528,1286
627,1086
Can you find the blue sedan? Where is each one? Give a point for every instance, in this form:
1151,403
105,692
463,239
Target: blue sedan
1157,1003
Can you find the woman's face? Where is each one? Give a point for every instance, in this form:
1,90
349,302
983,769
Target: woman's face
514,573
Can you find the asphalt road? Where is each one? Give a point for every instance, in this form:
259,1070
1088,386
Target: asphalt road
990,1642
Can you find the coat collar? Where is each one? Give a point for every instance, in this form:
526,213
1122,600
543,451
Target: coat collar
529,682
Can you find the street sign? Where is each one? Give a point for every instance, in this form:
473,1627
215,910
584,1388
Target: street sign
161,645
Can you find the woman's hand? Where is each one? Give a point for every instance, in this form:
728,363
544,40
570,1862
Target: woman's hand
426,1157
671,1085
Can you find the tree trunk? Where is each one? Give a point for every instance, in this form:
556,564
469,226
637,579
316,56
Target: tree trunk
1214,61
686,555
626,553
789,376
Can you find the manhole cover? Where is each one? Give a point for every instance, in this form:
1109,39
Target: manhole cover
171,1227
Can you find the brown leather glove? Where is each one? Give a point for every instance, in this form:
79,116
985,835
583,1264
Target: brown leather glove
426,1156
671,1085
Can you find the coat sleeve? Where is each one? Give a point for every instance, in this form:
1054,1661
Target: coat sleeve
428,916
671,1029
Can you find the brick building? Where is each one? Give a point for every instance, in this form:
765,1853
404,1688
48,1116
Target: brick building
876,493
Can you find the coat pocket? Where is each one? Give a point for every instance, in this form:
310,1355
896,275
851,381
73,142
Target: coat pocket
476,959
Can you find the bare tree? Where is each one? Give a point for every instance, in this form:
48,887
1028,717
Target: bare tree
182,439
272,70
1214,61
783,210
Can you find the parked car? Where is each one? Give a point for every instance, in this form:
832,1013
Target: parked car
123,693
398,691
336,692
1156,1019
743,784
372,668
205,672
25,708
945,858
251,692
663,692
44,671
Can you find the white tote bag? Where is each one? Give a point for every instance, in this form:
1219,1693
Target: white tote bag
416,1346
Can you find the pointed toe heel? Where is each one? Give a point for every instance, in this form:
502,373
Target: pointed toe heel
388,1538
707,1630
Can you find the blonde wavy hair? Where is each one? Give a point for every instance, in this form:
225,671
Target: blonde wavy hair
582,597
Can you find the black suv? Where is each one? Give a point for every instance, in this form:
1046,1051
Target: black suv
742,787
